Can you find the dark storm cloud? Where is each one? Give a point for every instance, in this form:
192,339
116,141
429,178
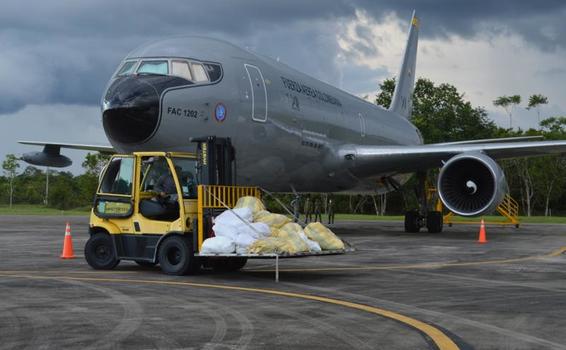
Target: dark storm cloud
65,51
541,23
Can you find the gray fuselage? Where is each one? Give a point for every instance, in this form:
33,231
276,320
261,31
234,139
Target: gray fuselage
284,125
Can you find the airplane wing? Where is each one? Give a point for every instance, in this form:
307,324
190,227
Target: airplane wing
497,140
51,155
99,148
366,160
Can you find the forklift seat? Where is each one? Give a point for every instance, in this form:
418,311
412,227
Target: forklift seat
163,211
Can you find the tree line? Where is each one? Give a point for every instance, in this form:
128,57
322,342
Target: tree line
439,111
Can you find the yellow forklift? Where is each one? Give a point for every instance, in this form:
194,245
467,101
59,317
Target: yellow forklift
157,207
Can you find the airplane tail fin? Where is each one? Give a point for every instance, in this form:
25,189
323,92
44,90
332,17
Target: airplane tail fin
401,103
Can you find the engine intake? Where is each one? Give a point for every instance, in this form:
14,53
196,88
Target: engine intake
471,184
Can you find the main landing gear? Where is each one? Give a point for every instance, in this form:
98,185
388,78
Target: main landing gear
423,217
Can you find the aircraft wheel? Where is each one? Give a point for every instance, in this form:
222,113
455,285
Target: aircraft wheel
434,222
176,256
99,252
412,224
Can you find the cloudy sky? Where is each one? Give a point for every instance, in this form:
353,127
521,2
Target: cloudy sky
56,56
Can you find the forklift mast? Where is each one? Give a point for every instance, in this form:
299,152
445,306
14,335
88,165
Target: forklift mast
216,161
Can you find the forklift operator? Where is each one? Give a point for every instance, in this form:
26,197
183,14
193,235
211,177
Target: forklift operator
165,186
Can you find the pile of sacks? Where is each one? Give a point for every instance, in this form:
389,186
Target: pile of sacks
249,228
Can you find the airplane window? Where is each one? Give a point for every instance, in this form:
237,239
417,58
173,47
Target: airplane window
181,69
214,71
199,74
153,67
127,68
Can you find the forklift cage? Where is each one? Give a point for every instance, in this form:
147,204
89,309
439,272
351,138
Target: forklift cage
212,197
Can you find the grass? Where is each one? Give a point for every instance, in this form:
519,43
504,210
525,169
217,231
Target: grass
31,209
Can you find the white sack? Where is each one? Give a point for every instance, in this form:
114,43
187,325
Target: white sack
244,240
313,246
229,218
218,245
226,231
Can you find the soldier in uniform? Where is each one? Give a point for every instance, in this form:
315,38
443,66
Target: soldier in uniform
296,205
308,209
330,210
317,210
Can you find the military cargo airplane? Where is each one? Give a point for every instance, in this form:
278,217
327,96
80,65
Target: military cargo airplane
291,131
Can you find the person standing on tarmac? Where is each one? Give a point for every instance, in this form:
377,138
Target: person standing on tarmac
330,211
308,209
317,210
296,204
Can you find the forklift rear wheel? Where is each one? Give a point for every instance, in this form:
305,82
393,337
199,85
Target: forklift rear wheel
176,256
99,252
145,263
228,264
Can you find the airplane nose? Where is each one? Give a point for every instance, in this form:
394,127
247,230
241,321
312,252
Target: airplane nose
130,110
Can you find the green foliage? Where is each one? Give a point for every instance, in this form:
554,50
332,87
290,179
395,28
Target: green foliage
554,128
441,113
10,165
94,163
537,100
508,102
64,191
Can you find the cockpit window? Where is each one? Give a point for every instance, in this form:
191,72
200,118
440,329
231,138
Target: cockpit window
153,67
181,69
127,68
193,71
199,74
213,70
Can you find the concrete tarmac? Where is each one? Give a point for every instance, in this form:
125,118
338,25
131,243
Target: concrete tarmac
397,291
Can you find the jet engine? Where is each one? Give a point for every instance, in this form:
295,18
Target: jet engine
50,156
471,184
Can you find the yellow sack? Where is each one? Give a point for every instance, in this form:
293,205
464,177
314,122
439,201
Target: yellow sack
260,214
294,246
323,236
267,245
291,233
254,203
273,220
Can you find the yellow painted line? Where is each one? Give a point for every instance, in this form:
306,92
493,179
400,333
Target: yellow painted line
441,340
431,265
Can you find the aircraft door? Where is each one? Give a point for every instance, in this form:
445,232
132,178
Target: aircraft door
259,93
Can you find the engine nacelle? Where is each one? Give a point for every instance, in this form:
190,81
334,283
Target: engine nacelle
471,184
55,160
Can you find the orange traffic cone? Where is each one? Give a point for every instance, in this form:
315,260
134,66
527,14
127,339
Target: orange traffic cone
67,244
482,238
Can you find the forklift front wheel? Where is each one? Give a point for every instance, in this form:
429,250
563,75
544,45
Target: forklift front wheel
176,256
99,252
